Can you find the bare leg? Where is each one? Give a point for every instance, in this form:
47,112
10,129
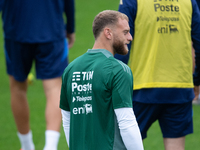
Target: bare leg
52,89
174,143
19,105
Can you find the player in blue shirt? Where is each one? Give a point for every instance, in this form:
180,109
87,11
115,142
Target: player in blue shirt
196,100
34,31
1,3
159,97
198,3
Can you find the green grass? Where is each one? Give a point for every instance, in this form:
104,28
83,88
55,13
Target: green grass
85,13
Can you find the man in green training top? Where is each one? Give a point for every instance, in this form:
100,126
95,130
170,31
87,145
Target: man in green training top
96,94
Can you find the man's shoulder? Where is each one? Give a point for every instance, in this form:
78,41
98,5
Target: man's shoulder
119,66
128,3
74,62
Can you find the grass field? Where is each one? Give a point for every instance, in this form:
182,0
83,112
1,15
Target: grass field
85,12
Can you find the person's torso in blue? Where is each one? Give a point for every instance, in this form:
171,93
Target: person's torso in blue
36,21
198,3
161,95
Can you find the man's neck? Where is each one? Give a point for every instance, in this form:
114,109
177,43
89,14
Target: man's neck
101,45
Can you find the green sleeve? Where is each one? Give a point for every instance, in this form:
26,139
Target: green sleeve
63,96
122,87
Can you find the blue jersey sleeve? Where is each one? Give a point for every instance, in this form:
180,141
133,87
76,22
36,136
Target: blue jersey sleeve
70,14
196,40
198,3
128,7
1,4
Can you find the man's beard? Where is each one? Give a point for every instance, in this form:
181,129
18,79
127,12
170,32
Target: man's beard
119,47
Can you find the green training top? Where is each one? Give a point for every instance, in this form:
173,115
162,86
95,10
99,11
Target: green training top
93,85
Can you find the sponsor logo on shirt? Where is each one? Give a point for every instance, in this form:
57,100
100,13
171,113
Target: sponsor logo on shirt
81,92
81,76
168,29
86,109
80,88
168,13
166,8
76,76
167,19
82,99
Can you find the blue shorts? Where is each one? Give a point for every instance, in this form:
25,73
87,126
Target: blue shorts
175,120
50,59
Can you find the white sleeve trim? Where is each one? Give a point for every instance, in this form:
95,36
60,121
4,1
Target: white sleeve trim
129,129
66,123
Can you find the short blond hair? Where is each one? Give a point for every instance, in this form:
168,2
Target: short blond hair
106,18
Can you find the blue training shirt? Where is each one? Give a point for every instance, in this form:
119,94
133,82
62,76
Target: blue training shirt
1,4
165,95
37,21
198,3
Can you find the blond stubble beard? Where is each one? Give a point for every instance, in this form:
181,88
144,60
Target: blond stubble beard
119,47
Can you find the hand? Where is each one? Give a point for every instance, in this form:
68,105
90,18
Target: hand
196,92
71,39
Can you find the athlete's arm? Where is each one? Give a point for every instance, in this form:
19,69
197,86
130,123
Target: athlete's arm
1,4
128,7
196,40
66,123
129,129
70,14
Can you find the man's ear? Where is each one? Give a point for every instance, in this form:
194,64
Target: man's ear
108,33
